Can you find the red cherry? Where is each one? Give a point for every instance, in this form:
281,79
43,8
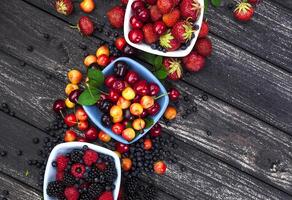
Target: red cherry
109,81
113,96
74,95
135,22
136,99
70,120
159,167
118,128
80,114
143,14
144,114
155,131
141,87
91,134
136,36
153,89
125,122
131,77
119,86
173,94
59,105
82,125
81,139
147,144
120,43
153,110
137,4
121,148
151,2
159,27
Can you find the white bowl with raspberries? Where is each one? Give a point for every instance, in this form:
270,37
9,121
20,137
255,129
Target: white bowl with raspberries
62,149
165,34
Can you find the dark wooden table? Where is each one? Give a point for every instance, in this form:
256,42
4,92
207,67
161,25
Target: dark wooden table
238,145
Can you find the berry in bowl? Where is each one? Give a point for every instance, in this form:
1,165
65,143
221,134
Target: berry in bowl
163,27
79,170
134,102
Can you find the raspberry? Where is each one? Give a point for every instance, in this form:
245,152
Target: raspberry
90,157
101,166
71,193
60,176
55,189
106,196
62,162
78,170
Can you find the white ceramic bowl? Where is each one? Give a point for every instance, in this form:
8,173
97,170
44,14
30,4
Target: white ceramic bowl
147,48
64,148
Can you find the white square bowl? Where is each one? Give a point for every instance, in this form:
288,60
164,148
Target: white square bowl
147,48
61,149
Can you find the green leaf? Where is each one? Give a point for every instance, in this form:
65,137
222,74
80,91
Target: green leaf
148,58
96,76
129,125
206,5
158,62
89,96
161,73
216,3
149,122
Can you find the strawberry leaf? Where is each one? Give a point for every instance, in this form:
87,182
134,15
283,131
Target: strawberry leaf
161,73
158,62
149,58
206,5
216,3
96,77
89,96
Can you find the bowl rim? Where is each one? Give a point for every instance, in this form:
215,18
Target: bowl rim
148,49
157,116
78,145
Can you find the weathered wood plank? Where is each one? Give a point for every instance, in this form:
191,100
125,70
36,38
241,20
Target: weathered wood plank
253,82
17,190
285,3
231,152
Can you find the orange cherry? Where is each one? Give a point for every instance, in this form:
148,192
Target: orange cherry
170,113
116,111
87,6
147,102
103,136
147,144
138,124
128,134
74,76
136,109
102,50
123,103
70,87
88,60
128,93
126,164
70,136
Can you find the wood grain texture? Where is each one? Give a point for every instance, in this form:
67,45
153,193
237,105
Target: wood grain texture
17,190
285,3
261,137
234,75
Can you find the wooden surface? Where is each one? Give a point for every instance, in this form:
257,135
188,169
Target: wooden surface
236,146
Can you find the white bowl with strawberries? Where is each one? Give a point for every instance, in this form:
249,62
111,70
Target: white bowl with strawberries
163,27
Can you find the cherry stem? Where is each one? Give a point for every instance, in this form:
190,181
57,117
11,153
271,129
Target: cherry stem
76,27
61,113
97,89
162,95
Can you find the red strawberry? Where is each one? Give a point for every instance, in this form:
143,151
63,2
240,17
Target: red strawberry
165,6
190,9
168,42
106,196
155,14
64,7
71,193
78,170
149,35
171,18
60,176
62,162
182,31
116,16
176,2
90,157
204,47
254,1
85,26
173,67
193,62
243,12
204,30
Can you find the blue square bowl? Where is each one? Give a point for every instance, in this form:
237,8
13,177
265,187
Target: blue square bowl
95,114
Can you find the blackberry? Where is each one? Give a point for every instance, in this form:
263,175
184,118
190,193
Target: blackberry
132,185
68,179
85,196
110,174
135,196
150,193
55,188
95,190
76,156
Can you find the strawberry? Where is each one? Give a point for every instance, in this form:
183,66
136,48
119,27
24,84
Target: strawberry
155,14
106,196
243,12
64,7
60,176
182,31
204,30
165,6
254,1
193,62
171,18
62,162
176,2
71,193
168,42
149,35
204,47
116,16
90,157
190,9
173,67
85,26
